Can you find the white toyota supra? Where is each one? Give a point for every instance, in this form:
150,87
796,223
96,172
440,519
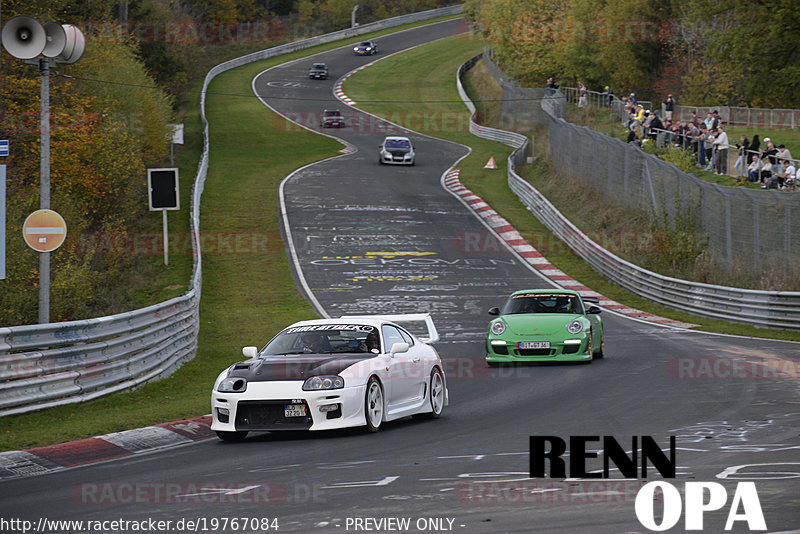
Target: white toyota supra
332,373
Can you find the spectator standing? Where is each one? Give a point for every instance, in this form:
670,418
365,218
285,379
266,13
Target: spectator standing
755,144
769,151
633,98
702,141
721,146
582,95
669,106
648,121
783,153
609,96
741,162
711,155
709,121
692,136
717,120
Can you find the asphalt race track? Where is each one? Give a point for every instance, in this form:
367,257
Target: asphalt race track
371,239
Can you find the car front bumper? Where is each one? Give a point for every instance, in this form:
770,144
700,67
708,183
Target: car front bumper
261,408
506,351
392,160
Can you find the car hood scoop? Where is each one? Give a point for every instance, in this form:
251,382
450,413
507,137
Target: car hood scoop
290,367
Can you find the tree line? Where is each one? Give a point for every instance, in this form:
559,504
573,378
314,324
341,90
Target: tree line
705,52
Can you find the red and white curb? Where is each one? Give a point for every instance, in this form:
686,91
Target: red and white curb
107,447
535,259
337,87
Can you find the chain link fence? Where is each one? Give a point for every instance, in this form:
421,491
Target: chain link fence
748,231
749,117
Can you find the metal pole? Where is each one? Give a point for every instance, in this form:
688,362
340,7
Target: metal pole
44,188
166,239
353,16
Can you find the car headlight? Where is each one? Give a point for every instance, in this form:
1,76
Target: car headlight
498,327
234,384
355,49
574,327
316,383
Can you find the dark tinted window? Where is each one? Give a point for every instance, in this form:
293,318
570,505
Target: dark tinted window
543,303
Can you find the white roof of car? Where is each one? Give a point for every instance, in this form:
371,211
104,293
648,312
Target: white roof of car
377,321
395,138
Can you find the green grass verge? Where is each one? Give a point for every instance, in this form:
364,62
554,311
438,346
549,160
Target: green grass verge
430,78
248,290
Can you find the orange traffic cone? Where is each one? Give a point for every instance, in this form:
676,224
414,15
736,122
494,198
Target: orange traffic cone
490,164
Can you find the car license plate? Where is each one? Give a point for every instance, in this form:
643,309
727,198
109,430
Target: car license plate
294,410
533,345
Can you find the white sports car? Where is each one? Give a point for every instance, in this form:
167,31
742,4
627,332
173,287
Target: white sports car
332,373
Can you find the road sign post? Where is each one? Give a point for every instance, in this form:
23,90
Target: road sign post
2,222
163,195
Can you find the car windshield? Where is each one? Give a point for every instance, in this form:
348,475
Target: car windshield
318,66
397,143
331,113
543,303
324,339
365,43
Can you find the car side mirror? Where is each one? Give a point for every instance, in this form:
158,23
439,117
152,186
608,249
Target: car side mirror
494,311
250,352
594,309
398,347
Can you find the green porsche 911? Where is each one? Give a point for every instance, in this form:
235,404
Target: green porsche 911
545,325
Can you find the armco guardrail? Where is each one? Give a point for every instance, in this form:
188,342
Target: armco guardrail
772,309
61,363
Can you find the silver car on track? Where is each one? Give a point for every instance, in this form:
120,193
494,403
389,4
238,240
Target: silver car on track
395,150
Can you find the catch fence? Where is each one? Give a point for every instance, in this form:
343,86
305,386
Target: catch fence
624,173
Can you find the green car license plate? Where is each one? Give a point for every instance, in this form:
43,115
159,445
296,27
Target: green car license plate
294,410
533,345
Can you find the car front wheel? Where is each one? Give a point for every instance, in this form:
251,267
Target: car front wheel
373,404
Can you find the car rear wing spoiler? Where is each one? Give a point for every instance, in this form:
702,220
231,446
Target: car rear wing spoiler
433,334
593,300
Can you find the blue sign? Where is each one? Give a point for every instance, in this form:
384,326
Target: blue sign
3,147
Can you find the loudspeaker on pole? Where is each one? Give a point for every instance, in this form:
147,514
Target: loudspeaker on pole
23,37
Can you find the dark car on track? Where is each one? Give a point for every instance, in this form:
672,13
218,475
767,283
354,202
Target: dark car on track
365,48
332,118
318,71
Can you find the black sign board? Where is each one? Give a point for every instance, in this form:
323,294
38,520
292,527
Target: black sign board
162,188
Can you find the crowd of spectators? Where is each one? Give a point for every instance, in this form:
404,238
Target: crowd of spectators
769,165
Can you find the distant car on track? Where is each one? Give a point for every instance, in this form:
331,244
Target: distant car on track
332,118
332,373
396,150
366,48
545,325
318,71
